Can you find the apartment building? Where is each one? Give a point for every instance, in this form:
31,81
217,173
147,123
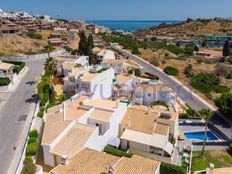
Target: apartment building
89,161
149,132
147,94
97,81
79,123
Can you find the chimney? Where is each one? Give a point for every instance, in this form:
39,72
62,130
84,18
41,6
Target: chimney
64,160
211,167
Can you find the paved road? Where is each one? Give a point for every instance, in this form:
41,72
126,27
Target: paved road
13,116
184,92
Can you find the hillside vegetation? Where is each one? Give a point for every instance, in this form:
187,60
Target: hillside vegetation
18,44
191,28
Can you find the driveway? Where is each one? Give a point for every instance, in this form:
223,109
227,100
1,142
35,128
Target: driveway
14,114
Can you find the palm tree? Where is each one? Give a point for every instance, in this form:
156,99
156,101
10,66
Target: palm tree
48,49
50,67
206,114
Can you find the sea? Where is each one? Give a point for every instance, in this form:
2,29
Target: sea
130,25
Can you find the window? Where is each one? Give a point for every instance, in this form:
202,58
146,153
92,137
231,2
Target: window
77,86
85,87
71,79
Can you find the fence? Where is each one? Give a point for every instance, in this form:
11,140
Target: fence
33,57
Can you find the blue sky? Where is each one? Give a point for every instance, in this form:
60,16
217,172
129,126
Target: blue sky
123,9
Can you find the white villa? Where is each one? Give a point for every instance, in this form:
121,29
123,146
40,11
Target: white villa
104,55
80,123
147,94
149,132
92,80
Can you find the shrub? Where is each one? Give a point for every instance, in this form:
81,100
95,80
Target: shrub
19,65
159,102
170,169
4,81
188,71
34,133
229,75
28,166
224,102
149,77
32,140
205,82
32,34
221,89
31,149
117,152
171,71
40,114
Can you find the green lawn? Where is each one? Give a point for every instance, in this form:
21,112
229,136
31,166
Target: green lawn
219,158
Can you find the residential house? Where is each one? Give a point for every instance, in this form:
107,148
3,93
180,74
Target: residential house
97,81
208,54
149,132
116,64
79,123
89,161
147,94
124,85
105,54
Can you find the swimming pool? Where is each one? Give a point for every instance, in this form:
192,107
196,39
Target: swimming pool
200,136
125,102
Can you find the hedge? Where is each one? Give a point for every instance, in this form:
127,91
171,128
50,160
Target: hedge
4,81
162,103
117,152
171,71
171,169
31,149
19,65
33,133
149,77
32,140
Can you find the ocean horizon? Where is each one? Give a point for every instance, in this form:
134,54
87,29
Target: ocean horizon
130,25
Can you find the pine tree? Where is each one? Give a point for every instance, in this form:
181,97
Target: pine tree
83,44
90,41
226,49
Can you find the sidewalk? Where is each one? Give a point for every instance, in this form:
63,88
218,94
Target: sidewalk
21,144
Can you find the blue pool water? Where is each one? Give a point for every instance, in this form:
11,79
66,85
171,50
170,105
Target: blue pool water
200,135
126,102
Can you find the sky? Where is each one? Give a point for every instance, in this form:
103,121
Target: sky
122,9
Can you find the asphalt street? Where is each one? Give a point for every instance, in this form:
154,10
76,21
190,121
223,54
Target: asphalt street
14,114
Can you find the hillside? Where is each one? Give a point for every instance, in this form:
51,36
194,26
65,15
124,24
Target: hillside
191,29
17,44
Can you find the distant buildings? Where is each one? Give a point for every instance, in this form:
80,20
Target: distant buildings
208,54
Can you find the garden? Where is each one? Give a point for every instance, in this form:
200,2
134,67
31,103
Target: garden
19,65
220,159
